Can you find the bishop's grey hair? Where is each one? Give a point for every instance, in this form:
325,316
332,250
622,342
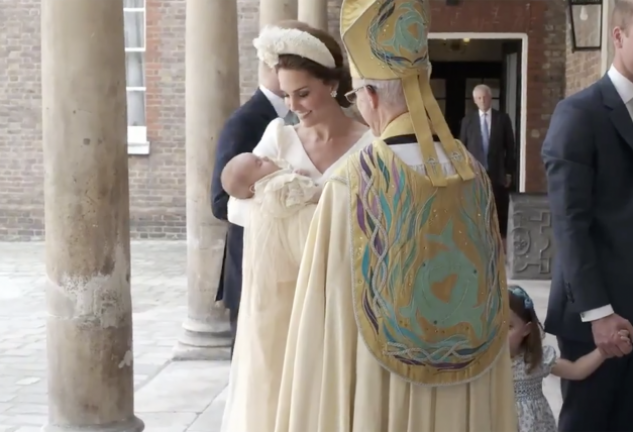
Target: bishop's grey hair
389,92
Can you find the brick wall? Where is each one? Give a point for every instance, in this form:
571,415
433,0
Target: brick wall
248,16
21,176
583,68
157,181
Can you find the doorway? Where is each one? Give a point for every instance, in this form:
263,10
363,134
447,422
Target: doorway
459,65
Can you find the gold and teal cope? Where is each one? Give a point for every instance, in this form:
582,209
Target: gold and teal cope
429,287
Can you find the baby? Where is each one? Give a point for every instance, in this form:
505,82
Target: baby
243,173
279,210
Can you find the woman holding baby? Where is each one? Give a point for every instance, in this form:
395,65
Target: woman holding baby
274,193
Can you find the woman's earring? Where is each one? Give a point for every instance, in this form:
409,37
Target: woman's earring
333,93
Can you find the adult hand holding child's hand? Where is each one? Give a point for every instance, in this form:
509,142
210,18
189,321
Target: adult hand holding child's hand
607,336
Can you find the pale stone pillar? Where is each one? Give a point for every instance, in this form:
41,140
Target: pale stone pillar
212,94
314,12
273,11
89,324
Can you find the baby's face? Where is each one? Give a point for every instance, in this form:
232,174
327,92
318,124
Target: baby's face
256,168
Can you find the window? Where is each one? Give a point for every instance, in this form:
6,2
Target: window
471,83
134,23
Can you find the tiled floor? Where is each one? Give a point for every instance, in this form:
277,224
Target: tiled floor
159,304
170,397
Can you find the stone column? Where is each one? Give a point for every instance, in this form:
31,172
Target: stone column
212,94
314,12
273,11
89,324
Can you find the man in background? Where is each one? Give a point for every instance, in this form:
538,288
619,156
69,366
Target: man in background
489,137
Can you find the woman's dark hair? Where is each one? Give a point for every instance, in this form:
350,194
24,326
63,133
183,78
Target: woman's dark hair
521,304
339,74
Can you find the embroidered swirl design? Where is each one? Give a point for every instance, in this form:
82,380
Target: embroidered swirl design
398,34
397,307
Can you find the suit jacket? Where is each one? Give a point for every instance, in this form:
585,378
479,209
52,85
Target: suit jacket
240,134
588,156
501,144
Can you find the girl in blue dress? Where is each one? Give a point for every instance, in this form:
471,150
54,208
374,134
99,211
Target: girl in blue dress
532,361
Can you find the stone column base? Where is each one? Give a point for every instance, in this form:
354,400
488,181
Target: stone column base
133,425
200,341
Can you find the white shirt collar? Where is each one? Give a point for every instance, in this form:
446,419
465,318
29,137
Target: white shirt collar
277,102
622,85
487,113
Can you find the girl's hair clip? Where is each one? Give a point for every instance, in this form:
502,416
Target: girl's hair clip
520,292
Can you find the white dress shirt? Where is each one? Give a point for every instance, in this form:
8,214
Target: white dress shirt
624,87
277,102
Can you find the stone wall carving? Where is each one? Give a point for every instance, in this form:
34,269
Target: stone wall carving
530,237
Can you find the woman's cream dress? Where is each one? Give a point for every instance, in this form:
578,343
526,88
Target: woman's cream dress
270,268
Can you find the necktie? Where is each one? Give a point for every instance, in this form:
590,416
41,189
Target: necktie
291,118
485,139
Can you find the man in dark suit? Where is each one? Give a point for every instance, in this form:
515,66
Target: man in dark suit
588,156
488,136
241,134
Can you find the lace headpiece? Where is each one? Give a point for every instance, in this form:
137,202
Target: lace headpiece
275,41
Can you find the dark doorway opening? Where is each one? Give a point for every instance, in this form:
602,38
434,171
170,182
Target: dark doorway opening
461,64
459,79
